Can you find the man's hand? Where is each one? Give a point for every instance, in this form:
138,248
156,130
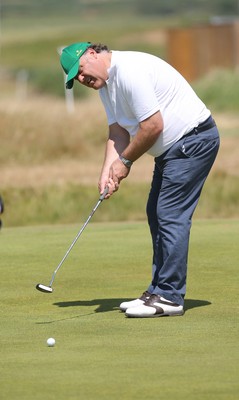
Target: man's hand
117,172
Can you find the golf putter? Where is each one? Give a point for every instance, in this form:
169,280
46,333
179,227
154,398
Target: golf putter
48,289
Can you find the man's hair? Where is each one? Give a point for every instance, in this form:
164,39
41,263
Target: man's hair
99,47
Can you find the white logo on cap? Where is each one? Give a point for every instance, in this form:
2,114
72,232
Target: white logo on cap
78,52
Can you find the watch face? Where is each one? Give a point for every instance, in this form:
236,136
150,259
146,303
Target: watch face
126,162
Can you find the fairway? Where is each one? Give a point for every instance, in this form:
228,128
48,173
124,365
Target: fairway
99,353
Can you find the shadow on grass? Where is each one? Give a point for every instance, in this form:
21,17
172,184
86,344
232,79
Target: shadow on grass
105,305
193,303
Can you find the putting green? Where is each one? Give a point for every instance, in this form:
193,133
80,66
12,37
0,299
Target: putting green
99,353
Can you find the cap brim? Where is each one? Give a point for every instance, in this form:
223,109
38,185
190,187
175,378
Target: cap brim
72,73
69,84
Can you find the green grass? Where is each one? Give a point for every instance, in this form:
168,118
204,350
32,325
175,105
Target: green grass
217,90
69,203
100,354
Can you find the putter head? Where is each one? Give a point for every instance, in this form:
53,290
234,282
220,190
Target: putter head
43,288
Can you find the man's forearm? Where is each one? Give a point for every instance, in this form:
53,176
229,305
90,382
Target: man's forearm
117,142
148,133
142,142
111,155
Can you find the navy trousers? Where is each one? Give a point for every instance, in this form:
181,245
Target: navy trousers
177,182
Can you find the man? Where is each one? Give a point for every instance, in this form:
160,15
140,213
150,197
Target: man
1,209
148,101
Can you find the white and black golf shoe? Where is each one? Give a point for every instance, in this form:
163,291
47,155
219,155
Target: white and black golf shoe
135,303
155,306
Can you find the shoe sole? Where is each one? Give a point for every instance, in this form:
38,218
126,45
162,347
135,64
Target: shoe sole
155,315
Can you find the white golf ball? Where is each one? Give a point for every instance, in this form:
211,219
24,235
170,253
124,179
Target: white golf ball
51,342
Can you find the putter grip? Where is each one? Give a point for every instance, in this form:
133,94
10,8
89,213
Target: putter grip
102,196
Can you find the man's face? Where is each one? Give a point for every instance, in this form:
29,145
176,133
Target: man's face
92,70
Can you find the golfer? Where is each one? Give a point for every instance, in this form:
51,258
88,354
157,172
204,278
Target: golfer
1,209
151,109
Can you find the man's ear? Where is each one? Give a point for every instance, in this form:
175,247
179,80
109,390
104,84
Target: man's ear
91,52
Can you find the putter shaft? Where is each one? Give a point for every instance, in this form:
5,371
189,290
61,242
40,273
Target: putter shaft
101,198
74,242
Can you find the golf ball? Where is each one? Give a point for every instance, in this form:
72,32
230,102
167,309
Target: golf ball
51,342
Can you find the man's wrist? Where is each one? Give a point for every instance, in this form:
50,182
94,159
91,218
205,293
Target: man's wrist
126,162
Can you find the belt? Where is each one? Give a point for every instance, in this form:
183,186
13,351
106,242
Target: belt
204,126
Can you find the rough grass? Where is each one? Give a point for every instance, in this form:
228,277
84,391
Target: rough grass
41,131
69,203
99,353
218,90
51,160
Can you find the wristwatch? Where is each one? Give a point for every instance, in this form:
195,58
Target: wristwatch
126,162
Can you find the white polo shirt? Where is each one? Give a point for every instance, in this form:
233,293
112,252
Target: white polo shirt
141,84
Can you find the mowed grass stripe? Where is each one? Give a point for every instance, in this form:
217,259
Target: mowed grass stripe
100,354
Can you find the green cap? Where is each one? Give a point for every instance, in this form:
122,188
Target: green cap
70,57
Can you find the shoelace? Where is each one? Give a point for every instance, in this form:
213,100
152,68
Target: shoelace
145,296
